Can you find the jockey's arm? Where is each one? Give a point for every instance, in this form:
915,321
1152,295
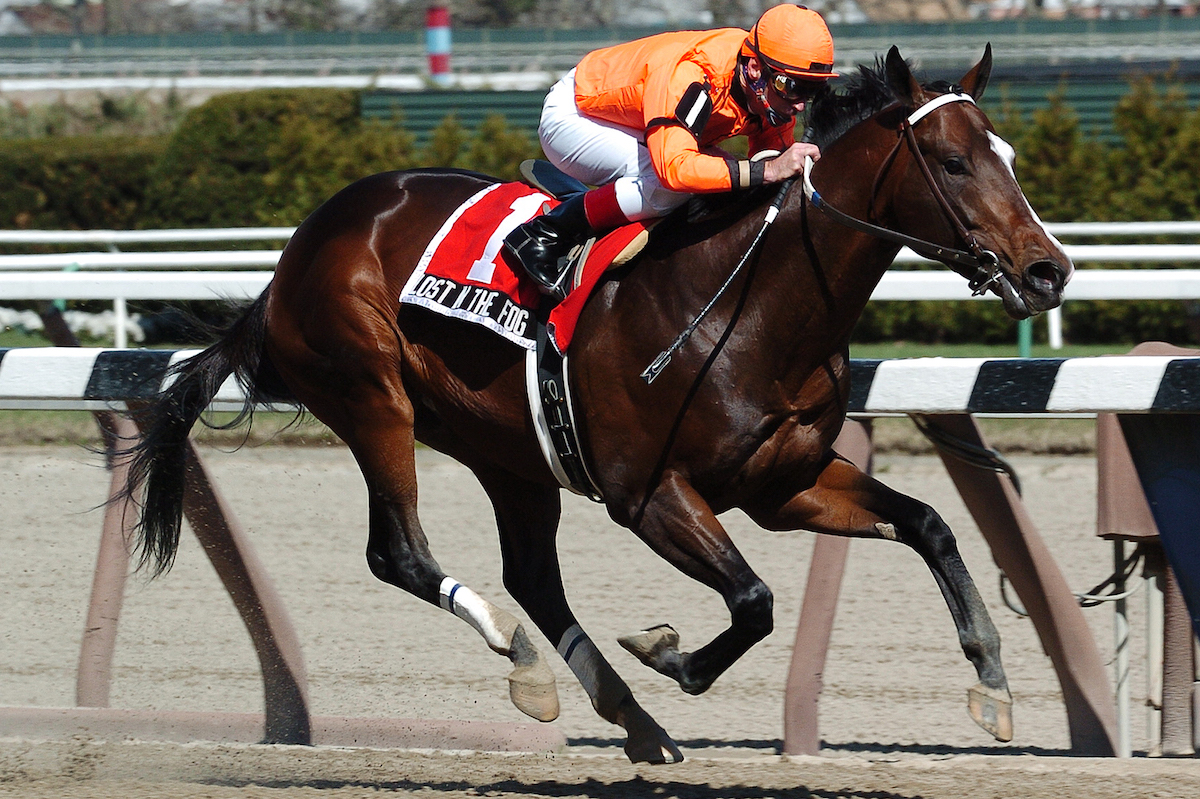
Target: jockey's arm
675,108
683,167
788,160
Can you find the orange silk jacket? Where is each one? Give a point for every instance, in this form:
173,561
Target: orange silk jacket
647,84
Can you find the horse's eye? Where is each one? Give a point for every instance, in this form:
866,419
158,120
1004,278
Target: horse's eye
955,166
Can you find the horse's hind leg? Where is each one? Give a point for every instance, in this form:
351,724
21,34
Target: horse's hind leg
845,501
369,409
531,682
527,515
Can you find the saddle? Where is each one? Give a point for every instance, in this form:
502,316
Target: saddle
546,365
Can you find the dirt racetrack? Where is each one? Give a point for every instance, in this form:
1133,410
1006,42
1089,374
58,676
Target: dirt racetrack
893,710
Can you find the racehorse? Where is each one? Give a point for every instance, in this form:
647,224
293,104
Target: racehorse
744,417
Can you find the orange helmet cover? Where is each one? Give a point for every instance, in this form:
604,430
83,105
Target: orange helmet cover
793,40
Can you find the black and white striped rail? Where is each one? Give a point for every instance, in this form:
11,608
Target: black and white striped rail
1121,384
68,378
82,378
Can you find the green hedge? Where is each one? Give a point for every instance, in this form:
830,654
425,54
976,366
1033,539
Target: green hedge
76,183
267,158
270,157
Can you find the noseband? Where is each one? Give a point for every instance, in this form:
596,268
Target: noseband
981,267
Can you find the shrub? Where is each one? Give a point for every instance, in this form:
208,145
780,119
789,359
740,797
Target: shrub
1057,164
76,183
495,149
268,157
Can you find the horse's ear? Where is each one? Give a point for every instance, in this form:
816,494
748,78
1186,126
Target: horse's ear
900,78
975,81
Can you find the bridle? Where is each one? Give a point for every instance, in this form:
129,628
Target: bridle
980,266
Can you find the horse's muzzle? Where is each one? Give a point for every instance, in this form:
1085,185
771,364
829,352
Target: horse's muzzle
1039,288
1047,279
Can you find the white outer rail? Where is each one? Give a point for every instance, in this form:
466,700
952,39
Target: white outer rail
132,285
114,237
1090,284
99,261
101,236
119,287
240,259
20,278
1087,284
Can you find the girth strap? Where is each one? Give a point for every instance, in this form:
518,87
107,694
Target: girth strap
553,415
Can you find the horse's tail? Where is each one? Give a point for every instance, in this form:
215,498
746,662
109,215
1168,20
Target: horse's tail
158,462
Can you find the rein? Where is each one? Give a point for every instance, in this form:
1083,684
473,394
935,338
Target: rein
658,364
981,267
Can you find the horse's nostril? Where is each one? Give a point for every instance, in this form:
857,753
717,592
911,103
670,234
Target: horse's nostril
1046,276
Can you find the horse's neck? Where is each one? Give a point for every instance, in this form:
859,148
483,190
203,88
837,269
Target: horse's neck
818,287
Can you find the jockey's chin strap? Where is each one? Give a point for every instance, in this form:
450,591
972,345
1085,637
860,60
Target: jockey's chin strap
981,267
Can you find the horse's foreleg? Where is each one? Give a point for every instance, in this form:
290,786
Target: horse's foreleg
847,502
678,525
527,515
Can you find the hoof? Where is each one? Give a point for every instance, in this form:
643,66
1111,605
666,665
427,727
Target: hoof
531,684
647,742
992,710
533,691
653,645
661,754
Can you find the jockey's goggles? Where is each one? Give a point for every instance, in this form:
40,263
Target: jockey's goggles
794,90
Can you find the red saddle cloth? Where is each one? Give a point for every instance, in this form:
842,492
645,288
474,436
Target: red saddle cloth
463,273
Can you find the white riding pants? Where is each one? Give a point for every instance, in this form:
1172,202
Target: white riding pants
599,153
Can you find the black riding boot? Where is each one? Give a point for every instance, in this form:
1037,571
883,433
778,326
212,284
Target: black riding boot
541,243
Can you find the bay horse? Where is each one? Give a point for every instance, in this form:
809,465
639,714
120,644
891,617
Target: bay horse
744,417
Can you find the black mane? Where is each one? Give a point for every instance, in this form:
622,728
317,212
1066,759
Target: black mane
866,93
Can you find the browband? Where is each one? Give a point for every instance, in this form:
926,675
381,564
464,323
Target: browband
936,103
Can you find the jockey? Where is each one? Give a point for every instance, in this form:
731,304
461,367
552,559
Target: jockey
642,120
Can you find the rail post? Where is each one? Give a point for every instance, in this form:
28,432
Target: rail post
801,730
261,608
94,675
215,525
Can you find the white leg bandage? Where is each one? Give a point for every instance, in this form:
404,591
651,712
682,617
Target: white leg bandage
491,622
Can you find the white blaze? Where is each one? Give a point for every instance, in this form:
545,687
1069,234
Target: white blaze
1009,156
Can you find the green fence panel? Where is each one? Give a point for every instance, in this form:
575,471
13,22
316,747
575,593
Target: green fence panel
421,112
